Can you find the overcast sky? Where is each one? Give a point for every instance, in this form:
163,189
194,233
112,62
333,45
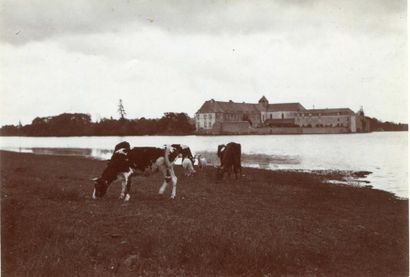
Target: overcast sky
161,56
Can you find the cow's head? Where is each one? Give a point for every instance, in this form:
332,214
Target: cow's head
221,149
100,187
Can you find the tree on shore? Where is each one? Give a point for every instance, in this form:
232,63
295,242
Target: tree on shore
121,110
178,123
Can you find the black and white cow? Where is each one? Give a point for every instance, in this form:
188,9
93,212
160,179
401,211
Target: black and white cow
126,162
230,157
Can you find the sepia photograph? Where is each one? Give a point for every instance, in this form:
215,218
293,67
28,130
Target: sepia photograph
204,138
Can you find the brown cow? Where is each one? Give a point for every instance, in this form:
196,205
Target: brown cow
230,156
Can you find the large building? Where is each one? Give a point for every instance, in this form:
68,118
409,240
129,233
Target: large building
218,116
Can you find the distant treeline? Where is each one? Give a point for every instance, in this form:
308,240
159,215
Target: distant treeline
78,124
377,125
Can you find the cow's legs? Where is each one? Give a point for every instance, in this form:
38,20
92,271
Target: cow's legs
126,185
128,190
165,183
163,187
191,169
229,171
123,188
174,180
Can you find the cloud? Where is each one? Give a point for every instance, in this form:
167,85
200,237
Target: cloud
44,19
159,56
154,71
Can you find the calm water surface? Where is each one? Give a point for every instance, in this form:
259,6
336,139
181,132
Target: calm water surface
383,153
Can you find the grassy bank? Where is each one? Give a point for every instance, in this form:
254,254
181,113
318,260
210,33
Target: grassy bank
268,222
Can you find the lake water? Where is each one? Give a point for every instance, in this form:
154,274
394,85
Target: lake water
383,153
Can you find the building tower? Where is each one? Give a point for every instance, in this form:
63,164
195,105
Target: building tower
264,102
263,107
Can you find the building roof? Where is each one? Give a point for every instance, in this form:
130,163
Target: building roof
330,111
285,107
213,106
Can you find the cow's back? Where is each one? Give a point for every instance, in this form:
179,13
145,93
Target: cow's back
143,157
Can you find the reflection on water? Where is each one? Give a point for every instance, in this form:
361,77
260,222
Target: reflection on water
384,154
248,160
54,151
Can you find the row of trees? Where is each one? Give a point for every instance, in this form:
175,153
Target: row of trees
377,125
78,124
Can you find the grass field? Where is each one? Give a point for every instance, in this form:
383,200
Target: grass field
268,223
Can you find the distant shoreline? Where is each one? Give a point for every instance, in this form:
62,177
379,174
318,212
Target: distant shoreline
172,124
199,135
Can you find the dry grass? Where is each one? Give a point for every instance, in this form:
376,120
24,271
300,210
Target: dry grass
267,223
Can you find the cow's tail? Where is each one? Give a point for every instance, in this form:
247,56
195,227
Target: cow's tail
166,157
167,163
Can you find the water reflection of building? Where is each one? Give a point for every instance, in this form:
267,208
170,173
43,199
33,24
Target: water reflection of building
230,117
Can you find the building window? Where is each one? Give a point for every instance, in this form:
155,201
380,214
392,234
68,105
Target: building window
283,116
270,116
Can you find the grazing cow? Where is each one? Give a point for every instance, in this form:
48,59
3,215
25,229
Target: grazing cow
188,167
202,162
126,162
230,156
